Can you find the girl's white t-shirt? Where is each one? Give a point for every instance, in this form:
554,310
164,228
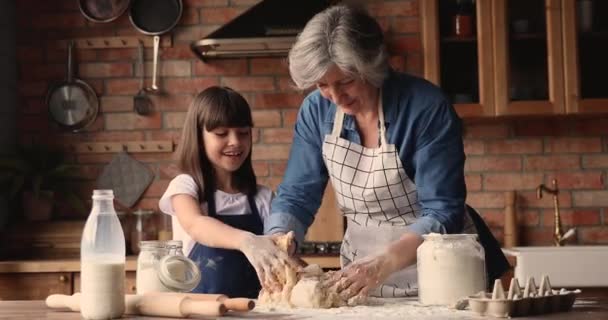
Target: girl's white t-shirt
226,204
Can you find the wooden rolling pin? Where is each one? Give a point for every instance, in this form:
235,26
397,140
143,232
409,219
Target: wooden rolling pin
234,304
170,305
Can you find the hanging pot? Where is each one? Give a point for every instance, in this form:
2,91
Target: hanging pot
155,17
102,11
72,104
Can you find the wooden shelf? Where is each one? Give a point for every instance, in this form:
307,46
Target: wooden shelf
128,146
115,42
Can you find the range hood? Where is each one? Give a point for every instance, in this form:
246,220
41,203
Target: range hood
269,28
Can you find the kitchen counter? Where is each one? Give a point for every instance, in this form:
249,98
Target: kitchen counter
385,309
73,265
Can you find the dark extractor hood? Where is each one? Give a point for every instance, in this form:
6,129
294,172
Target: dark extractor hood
269,28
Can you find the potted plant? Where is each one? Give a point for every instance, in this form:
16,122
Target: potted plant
38,175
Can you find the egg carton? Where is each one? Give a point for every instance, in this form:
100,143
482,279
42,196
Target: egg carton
532,300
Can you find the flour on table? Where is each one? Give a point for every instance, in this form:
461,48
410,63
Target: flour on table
375,308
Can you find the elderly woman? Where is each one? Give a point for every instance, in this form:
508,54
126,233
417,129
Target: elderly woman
390,143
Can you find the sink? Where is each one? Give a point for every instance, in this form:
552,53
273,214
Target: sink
569,266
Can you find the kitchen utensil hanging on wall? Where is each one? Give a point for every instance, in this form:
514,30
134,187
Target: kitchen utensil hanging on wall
155,17
72,104
141,102
102,11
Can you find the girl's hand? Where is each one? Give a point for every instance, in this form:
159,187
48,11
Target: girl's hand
360,277
268,260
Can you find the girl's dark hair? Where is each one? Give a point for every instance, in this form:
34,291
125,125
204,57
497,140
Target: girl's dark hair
212,108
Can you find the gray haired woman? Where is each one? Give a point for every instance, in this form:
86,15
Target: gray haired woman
392,146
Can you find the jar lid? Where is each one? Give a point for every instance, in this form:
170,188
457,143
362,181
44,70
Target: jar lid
152,244
178,273
450,237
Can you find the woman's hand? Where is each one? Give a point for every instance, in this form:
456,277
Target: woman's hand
268,260
360,277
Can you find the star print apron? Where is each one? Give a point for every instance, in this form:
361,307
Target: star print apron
378,200
228,271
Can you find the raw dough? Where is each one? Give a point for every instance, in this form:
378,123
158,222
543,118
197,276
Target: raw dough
305,289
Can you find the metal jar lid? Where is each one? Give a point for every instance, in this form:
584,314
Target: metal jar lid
178,273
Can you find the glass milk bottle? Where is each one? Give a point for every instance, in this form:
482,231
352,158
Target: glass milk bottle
102,261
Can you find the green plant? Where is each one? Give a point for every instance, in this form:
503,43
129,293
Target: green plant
40,170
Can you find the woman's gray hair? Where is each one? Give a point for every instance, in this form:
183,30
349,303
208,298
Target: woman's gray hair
342,35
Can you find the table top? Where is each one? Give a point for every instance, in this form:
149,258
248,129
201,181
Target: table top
385,309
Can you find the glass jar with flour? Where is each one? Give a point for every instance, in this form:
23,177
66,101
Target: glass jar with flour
161,268
450,267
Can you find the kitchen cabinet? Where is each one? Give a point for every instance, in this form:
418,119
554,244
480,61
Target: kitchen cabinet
34,286
130,281
585,37
519,57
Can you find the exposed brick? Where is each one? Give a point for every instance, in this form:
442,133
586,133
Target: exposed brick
520,146
486,200
277,168
397,62
286,84
179,51
271,182
403,44
52,72
528,199
572,217
277,100
590,198
493,163
595,161
173,68
567,162
174,120
485,131
190,16
401,8
152,158
105,70
51,21
261,168
269,66
282,135
536,236
473,182
577,180
266,119
188,85
249,83
473,147
205,3
493,218
156,189
131,121
573,145
511,181
593,235
171,102
405,25
224,67
270,152
289,117
94,158
528,217
115,136
122,86
115,103
414,63
219,15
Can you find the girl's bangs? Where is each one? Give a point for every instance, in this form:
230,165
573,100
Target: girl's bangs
231,111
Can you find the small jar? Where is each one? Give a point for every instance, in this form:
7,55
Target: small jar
150,254
175,247
165,231
450,267
143,229
161,268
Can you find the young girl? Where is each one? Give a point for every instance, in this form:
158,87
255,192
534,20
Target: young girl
217,207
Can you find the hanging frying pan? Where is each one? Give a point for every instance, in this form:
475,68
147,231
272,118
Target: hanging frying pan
155,17
72,104
103,10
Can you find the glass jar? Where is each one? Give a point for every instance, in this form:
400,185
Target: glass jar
165,231
162,267
150,254
144,228
450,267
125,223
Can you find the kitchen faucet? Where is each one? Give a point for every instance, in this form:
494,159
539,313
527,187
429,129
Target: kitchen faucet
558,236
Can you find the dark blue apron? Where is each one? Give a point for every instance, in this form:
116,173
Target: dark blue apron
496,262
225,271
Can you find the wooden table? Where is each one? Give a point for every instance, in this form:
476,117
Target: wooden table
584,309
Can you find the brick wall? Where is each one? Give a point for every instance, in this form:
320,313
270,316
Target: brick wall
499,153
